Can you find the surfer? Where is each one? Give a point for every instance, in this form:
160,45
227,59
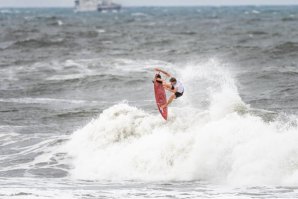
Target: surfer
175,86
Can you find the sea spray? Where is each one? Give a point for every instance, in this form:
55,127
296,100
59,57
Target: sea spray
218,144
127,143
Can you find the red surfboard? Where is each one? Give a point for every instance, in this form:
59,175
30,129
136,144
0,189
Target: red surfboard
161,99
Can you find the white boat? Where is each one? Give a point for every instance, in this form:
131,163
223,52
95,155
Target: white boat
106,5
96,5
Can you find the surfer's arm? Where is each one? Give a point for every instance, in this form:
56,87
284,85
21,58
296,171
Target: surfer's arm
160,80
162,71
169,88
173,90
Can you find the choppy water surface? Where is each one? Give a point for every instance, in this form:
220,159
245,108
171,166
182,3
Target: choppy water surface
78,117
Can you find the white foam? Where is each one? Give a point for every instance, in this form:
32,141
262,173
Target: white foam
255,12
6,11
217,143
139,14
67,77
101,30
59,22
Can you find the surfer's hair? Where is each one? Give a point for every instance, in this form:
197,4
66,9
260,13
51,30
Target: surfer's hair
158,76
173,79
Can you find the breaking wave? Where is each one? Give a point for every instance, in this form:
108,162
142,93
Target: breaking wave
211,135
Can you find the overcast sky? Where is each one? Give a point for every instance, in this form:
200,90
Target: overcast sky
70,3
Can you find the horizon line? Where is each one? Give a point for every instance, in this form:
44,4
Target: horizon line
157,6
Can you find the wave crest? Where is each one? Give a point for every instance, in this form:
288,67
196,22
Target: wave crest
225,142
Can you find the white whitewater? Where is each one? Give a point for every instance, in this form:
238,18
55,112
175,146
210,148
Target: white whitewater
210,136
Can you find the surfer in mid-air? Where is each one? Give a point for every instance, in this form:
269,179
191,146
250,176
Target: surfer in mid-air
175,86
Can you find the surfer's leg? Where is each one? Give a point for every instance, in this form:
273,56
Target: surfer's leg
173,96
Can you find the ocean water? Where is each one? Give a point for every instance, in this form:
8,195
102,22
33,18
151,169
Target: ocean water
78,117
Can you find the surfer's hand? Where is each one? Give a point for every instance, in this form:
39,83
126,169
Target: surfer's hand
163,106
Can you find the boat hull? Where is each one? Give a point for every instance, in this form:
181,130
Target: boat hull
109,8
